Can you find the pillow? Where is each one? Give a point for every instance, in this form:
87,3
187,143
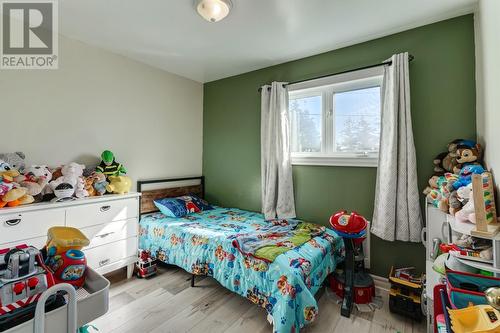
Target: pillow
181,206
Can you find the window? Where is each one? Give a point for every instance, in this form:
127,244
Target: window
336,120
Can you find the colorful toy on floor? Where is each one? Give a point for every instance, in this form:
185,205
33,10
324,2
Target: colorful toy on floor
352,283
62,239
119,184
69,267
23,277
145,264
405,295
109,166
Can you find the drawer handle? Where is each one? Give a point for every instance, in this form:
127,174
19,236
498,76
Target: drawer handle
105,208
106,234
13,222
104,262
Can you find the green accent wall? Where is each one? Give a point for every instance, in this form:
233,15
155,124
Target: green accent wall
443,108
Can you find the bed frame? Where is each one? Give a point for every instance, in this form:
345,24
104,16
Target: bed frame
146,205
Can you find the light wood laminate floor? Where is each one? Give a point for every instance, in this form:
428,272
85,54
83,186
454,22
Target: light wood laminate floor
167,303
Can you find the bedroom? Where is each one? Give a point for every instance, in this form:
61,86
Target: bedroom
279,107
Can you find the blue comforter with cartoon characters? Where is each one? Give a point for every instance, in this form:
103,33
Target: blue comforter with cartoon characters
202,243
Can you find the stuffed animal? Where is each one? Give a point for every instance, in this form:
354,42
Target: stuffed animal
438,164
119,184
100,183
450,159
7,172
467,154
465,175
432,185
80,191
89,186
15,197
447,161
35,178
70,174
15,160
438,191
467,213
109,166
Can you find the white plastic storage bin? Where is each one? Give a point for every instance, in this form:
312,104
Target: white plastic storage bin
92,302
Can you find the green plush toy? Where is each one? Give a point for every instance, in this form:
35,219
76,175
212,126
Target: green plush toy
108,165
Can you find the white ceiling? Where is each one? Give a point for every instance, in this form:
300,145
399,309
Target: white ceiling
170,35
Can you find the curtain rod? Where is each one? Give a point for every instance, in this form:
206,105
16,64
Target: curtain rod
387,63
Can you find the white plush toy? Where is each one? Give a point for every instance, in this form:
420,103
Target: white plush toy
80,191
467,213
35,179
70,174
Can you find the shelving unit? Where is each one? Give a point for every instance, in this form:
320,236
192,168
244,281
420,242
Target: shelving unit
457,228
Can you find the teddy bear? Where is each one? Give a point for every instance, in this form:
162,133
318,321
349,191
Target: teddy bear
15,160
36,179
70,174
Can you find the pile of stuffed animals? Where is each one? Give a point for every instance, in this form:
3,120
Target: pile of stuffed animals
20,185
450,188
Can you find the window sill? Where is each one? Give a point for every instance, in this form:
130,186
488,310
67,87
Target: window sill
367,162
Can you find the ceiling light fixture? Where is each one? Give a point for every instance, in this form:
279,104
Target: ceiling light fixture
213,10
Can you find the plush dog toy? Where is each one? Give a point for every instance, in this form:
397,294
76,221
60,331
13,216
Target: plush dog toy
468,154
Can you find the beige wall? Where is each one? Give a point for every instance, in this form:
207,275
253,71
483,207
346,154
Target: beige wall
488,81
98,100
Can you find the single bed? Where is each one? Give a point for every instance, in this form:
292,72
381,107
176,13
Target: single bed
204,244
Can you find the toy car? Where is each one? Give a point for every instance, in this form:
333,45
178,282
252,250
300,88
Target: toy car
145,265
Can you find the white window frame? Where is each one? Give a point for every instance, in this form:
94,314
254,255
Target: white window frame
327,86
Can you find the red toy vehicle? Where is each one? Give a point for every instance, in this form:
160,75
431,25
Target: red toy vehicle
146,266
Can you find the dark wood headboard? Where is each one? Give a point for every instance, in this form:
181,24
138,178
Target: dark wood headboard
146,204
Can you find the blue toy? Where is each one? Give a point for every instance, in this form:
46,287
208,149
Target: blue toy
465,175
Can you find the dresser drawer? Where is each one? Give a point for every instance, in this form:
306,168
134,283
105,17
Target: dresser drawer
88,215
107,254
110,232
37,242
29,225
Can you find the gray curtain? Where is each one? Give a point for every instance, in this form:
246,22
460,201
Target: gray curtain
276,167
397,214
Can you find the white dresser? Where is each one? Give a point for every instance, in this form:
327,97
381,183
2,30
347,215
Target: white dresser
110,222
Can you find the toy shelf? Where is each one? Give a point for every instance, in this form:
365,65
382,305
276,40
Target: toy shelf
478,259
466,228
92,302
480,265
